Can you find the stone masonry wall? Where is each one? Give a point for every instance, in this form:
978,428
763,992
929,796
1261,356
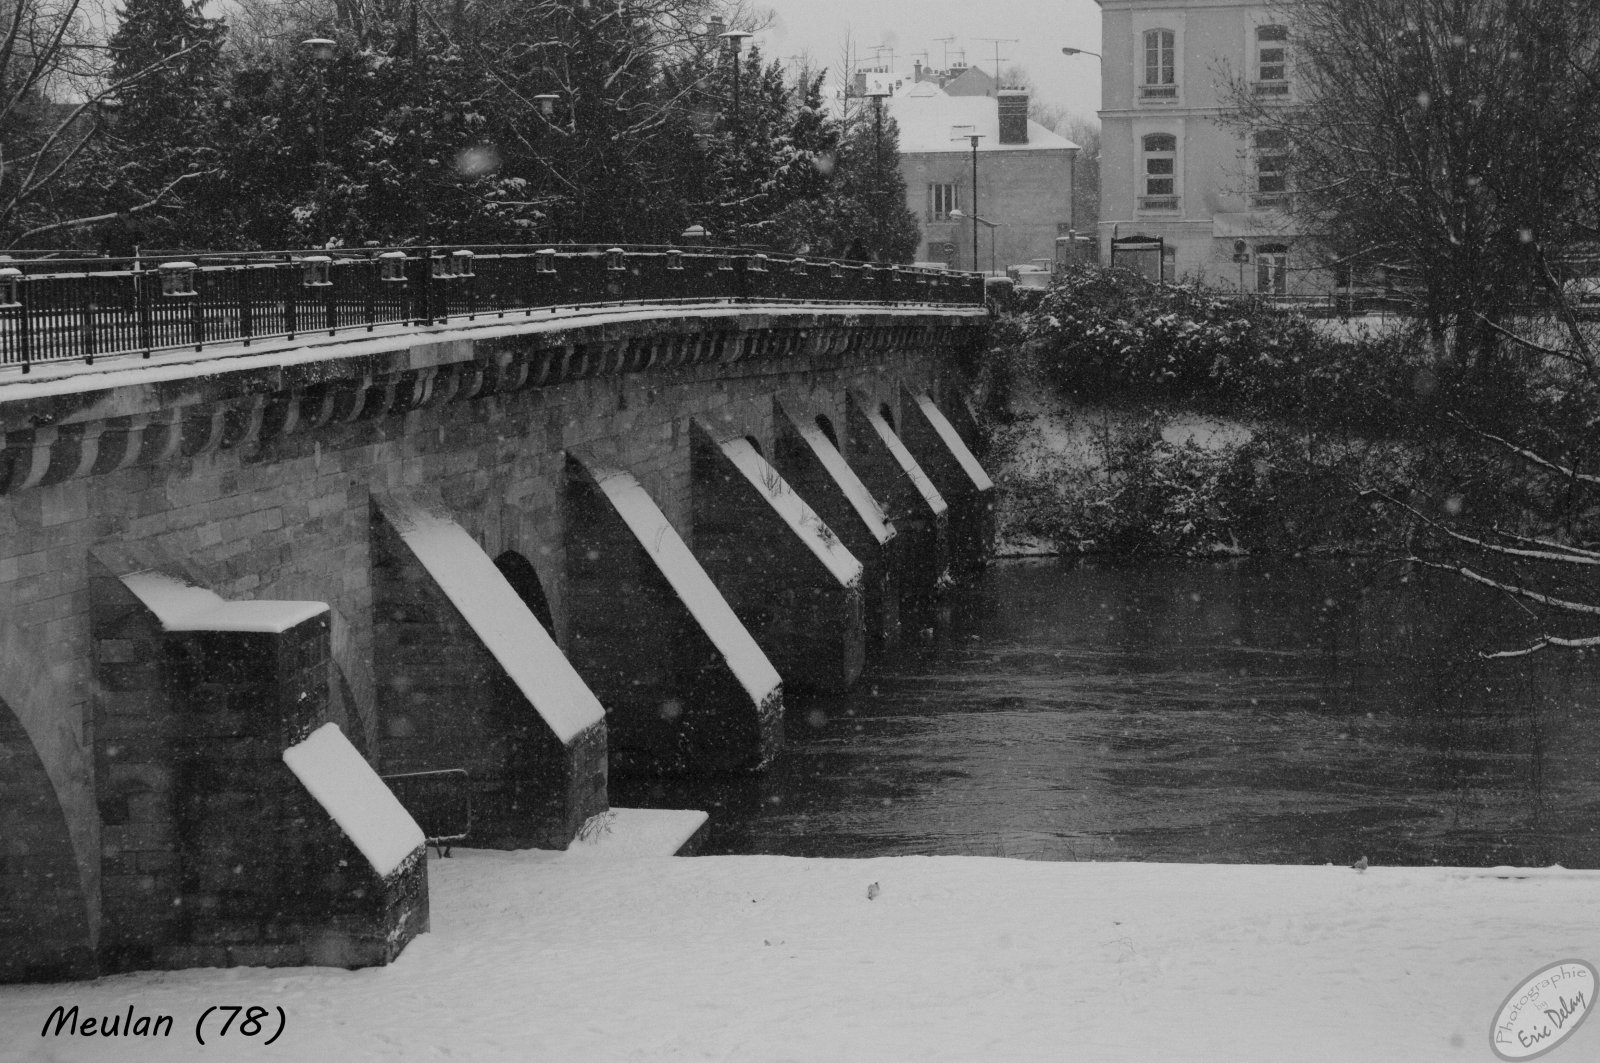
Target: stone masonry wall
258,472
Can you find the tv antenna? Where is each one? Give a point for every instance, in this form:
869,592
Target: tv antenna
946,42
997,42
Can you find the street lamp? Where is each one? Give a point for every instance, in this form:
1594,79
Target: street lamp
1081,51
735,43
993,225
321,51
974,138
877,96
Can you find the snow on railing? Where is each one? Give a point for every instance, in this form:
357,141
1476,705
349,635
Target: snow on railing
58,309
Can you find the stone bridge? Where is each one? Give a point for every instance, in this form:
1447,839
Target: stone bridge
250,593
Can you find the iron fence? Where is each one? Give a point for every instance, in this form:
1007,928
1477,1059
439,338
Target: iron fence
54,310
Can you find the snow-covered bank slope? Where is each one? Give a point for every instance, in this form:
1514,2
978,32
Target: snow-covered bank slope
540,957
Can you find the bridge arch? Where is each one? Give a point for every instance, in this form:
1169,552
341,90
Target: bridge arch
44,910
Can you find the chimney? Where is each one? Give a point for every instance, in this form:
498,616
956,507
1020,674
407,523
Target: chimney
1013,104
916,72
714,29
861,83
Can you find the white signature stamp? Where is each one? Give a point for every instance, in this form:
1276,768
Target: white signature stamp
1544,1010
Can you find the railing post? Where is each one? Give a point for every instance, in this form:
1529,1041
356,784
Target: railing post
24,317
246,314
86,322
142,294
289,285
197,321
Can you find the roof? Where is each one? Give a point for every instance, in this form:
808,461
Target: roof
927,118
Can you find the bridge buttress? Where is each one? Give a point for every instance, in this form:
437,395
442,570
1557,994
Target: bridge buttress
961,481
921,548
469,678
684,685
786,575
810,461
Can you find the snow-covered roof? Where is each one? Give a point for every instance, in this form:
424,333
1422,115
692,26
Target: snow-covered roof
928,120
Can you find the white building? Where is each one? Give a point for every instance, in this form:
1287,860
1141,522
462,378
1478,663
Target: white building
1174,177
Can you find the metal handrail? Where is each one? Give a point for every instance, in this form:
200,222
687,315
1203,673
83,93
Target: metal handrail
54,310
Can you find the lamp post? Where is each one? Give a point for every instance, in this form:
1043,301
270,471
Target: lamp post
321,51
974,138
993,225
735,43
877,96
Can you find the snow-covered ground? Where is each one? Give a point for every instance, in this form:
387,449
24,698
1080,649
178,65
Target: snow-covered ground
542,956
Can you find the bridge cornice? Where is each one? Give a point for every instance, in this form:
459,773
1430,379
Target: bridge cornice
74,420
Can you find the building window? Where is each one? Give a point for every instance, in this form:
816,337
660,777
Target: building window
1160,181
1272,269
1160,66
1272,165
941,201
1272,61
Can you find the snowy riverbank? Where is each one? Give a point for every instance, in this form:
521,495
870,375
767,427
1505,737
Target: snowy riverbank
540,956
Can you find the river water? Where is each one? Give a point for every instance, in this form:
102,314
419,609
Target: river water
1253,711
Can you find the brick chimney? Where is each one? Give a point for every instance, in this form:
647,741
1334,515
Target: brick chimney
916,77
1013,105
714,29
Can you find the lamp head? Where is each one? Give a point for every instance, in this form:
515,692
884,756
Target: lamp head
319,48
546,102
735,39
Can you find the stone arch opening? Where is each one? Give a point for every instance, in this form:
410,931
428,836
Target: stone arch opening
755,443
42,913
824,423
524,579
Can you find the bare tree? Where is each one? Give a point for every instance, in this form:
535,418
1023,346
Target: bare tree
1439,138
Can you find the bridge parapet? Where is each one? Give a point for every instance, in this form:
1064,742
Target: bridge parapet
62,310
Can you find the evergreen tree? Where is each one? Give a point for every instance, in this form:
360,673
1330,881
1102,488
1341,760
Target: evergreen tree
166,63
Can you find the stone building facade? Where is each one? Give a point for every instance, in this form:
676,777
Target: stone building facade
1178,181
1024,176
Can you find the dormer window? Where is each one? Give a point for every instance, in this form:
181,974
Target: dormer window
1272,61
1160,66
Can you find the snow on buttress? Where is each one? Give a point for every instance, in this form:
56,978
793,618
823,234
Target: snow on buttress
793,511
344,784
903,458
500,618
689,581
182,606
856,492
953,440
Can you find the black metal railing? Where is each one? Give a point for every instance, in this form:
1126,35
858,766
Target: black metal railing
55,309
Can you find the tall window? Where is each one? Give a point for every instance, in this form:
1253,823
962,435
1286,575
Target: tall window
1160,172
1160,66
1272,60
1272,164
941,201
1272,269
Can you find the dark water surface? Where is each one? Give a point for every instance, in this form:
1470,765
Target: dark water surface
1261,712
